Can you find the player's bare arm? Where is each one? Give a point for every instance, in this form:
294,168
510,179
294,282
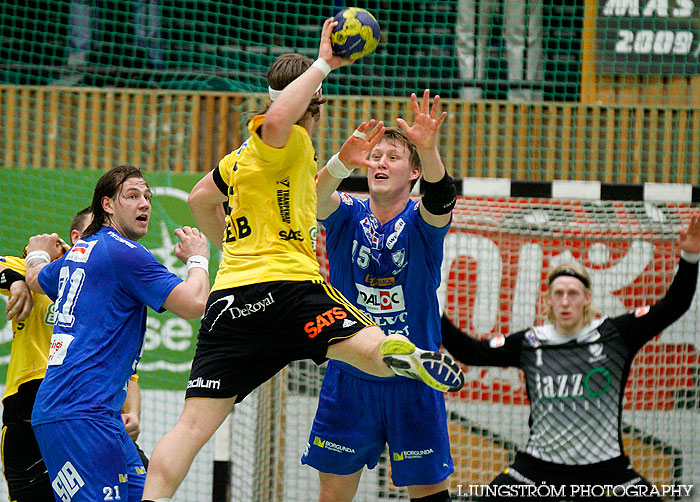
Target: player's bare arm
21,301
206,204
423,133
188,299
292,103
41,251
353,154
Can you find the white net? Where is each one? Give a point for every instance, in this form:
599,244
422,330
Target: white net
496,258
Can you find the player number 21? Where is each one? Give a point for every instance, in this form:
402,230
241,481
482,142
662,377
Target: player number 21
66,304
111,494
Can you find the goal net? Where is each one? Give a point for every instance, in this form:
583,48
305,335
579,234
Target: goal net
497,255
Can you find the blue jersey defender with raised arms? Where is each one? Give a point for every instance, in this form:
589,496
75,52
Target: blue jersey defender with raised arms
395,248
101,288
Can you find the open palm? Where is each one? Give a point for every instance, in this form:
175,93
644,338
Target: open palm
690,237
355,151
426,121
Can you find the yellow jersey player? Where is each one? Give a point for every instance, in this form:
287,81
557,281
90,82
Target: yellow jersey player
269,304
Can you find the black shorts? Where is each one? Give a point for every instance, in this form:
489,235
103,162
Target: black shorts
250,333
567,479
24,469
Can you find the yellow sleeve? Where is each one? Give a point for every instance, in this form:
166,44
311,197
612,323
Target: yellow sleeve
267,153
13,263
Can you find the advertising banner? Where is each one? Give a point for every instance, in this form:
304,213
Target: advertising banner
44,201
648,37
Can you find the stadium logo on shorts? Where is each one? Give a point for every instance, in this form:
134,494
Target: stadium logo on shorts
201,384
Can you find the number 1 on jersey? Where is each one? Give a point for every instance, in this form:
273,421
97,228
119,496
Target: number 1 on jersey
65,305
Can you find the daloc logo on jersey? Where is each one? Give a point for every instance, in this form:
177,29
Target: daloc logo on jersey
379,301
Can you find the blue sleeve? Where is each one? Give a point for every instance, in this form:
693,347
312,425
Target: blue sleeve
433,239
48,278
339,218
142,276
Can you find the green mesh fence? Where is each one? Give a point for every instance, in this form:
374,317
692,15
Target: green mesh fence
229,45
600,90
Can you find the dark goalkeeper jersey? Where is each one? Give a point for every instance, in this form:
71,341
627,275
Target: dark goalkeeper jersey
576,388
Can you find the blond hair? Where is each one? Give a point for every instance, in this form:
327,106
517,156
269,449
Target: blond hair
578,271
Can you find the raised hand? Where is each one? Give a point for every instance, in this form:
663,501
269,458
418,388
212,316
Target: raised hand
325,48
690,236
426,121
356,149
20,303
50,243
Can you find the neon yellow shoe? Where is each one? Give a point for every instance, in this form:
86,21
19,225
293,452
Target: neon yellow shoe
435,369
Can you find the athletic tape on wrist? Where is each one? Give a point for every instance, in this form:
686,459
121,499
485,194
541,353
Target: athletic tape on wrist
322,65
37,257
690,257
198,261
337,168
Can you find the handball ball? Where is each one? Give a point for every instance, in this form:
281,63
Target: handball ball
356,34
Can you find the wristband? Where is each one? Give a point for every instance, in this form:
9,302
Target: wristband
8,277
690,257
198,261
337,168
36,258
322,65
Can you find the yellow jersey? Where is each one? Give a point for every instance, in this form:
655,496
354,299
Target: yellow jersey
271,218
31,338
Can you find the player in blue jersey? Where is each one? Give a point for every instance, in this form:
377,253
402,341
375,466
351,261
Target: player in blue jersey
395,246
101,288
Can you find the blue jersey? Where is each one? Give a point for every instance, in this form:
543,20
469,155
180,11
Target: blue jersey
394,272
101,288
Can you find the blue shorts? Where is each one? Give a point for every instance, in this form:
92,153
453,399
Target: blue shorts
91,460
356,418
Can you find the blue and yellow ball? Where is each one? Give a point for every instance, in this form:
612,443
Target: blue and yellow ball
356,35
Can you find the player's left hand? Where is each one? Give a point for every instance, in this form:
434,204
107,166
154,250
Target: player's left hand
20,303
132,425
426,121
192,242
356,149
690,236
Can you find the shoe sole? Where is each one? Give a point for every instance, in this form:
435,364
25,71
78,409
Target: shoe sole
423,360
